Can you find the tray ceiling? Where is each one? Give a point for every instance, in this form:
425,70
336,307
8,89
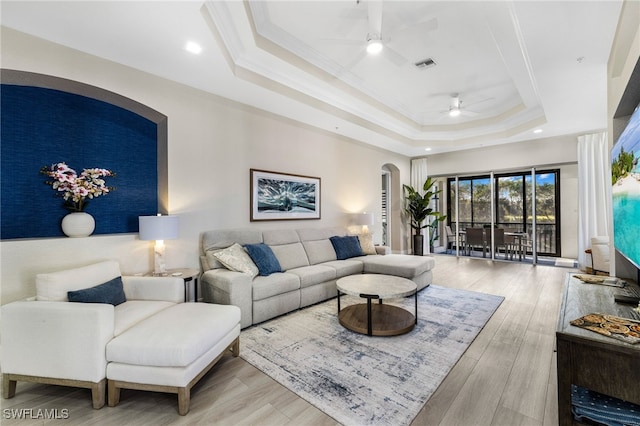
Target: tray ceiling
513,66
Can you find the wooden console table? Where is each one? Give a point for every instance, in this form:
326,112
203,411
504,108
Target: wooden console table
588,359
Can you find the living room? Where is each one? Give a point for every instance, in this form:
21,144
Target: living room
213,142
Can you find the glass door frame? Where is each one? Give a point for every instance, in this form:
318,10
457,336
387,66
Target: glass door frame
453,185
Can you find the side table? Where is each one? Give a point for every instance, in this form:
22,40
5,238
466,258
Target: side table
188,275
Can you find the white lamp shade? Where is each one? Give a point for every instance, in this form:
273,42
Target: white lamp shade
158,227
363,219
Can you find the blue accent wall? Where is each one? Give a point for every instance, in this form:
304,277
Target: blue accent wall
43,126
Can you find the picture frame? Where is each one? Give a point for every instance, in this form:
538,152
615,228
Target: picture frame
284,196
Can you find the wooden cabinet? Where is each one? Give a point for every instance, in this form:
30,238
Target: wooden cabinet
585,358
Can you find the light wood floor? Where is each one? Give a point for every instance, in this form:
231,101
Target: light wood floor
506,377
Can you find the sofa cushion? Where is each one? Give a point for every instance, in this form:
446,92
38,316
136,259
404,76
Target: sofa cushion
276,237
132,312
236,258
223,238
174,337
263,257
319,251
290,255
110,292
314,274
346,247
274,285
314,234
366,243
346,267
400,265
54,286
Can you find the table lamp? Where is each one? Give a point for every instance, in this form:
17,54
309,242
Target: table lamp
158,228
364,220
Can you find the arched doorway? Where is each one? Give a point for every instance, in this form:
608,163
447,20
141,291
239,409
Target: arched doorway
391,206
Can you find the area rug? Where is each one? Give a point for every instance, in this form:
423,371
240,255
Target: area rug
362,380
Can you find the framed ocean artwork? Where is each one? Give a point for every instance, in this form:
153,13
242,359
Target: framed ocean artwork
284,196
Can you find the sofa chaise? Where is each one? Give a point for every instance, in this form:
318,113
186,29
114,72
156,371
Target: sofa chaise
309,261
130,332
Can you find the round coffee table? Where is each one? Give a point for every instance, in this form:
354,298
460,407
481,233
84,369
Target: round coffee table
377,319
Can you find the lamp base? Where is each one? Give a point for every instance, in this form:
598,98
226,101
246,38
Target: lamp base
160,268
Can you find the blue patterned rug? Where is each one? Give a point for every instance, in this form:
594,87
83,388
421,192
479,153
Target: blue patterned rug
361,380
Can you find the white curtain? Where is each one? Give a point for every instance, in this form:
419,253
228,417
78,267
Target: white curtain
594,191
419,173
418,176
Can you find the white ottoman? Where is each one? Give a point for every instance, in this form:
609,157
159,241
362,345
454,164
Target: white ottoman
171,350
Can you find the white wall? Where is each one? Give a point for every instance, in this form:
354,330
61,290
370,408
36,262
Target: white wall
517,156
559,152
213,142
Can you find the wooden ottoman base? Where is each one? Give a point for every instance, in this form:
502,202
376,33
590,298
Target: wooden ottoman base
9,382
184,393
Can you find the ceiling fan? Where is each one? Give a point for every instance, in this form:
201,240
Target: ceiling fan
456,109
374,42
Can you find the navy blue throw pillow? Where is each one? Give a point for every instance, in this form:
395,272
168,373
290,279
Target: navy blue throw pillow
346,247
263,257
110,292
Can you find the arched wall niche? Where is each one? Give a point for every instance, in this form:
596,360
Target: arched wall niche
46,120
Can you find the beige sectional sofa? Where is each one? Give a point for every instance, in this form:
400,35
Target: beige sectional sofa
309,263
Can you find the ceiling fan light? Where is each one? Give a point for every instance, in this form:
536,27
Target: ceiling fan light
454,112
374,47
193,47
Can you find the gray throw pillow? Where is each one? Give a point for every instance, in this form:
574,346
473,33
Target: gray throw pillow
235,258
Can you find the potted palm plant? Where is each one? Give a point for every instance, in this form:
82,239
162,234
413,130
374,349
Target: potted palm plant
421,215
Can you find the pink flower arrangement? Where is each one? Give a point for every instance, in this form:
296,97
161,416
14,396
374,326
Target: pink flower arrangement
76,189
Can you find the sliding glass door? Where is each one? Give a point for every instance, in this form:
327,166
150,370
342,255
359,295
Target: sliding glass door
547,211
513,200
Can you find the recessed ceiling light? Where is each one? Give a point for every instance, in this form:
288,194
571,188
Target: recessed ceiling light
193,47
537,131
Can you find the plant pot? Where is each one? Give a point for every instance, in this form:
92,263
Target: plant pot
78,224
418,241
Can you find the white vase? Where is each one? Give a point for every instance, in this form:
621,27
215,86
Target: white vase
78,224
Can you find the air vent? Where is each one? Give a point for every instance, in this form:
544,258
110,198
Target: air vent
426,63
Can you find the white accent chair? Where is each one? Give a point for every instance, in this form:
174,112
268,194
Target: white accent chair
600,255
168,345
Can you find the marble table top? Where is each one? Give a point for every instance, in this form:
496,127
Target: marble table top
384,286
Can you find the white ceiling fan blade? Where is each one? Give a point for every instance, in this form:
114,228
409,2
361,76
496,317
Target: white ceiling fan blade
374,10
467,113
479,102
349,17
393,56
429,25
345,42
357,58
345,69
